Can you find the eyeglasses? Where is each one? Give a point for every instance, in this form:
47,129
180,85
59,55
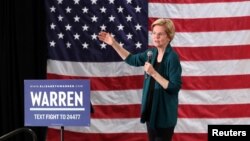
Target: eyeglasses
159,34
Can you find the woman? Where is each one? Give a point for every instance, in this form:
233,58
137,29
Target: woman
161,88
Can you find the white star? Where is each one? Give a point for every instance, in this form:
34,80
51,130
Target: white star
52,9
68,44
52,43
111,1
121,44
129,1
103,46
60,35
52,26
85,45
138,45
76,1
85,10
68,27
93,1
112,35
76,18
94,18
111,18
103,27
76,36
138,27
120,9
129,36
138,9
60,18
94,36
120,27
129,18
85,28
68,10
59,1
103,10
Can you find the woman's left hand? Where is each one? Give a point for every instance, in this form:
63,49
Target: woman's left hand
148,68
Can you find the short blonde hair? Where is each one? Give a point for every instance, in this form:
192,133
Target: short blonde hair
169,24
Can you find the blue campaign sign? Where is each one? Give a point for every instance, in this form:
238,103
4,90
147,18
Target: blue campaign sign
57,102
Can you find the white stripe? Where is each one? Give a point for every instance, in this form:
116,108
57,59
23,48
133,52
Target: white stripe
131,125
116,97
215,68
57,109
92,69
199,10
200,39
192,125
213,97
207,97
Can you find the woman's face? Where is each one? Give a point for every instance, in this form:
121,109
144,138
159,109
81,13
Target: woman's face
159,36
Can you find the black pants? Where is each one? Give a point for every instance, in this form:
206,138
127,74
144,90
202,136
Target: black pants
160,134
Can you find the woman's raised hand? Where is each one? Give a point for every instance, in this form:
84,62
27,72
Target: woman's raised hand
106,38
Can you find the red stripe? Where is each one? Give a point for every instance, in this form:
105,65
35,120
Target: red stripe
193,1
189,82
214,111
54,135
209,24
185,111
190,137
215,82
213,53
116,111
107,83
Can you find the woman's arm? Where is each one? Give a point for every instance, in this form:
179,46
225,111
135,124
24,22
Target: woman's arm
173,84
152,72
108,39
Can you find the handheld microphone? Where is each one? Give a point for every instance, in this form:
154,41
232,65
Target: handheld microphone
149,55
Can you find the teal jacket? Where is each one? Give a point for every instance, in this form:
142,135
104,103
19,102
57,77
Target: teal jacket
165,102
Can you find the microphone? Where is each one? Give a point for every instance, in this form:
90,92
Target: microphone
149,55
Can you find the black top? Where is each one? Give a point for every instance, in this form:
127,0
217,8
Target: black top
151,93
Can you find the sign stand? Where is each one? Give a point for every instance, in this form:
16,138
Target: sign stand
62,133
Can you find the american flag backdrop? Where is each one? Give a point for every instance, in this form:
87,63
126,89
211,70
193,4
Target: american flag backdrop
212,40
